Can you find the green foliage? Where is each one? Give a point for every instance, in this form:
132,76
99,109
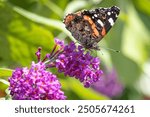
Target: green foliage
5,72
25,26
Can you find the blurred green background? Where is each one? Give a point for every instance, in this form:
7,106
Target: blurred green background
27,24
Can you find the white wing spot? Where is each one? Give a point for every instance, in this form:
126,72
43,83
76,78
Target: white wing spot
116,15
111,21
108,13
100,22
95,15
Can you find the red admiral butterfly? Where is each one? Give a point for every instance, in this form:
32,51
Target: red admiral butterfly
90,26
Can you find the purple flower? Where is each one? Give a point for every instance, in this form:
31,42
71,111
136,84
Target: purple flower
75,62
59,42
109,85
35,83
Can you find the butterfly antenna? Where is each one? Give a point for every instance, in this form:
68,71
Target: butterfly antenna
111,49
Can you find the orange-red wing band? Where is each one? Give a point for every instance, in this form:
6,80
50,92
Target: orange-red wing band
93,26
103,33
69,18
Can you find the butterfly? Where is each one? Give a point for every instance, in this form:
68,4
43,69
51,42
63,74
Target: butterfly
90,26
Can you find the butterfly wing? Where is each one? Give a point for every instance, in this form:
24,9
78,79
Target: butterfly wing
90,26
103,18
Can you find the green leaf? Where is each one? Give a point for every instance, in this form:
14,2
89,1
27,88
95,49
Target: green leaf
135,38
77,5
78,89
4,82
42,20
130,36
74,6
20,39
143,6
5,72
56,9
127,69
8,96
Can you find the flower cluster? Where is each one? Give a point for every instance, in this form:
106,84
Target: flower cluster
75,62
35,83
109,84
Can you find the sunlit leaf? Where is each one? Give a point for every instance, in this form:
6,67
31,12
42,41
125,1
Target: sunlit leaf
42,20
5,72
56,9
8,96
81,91
135,38
20,39
74,6
143,6
4,82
